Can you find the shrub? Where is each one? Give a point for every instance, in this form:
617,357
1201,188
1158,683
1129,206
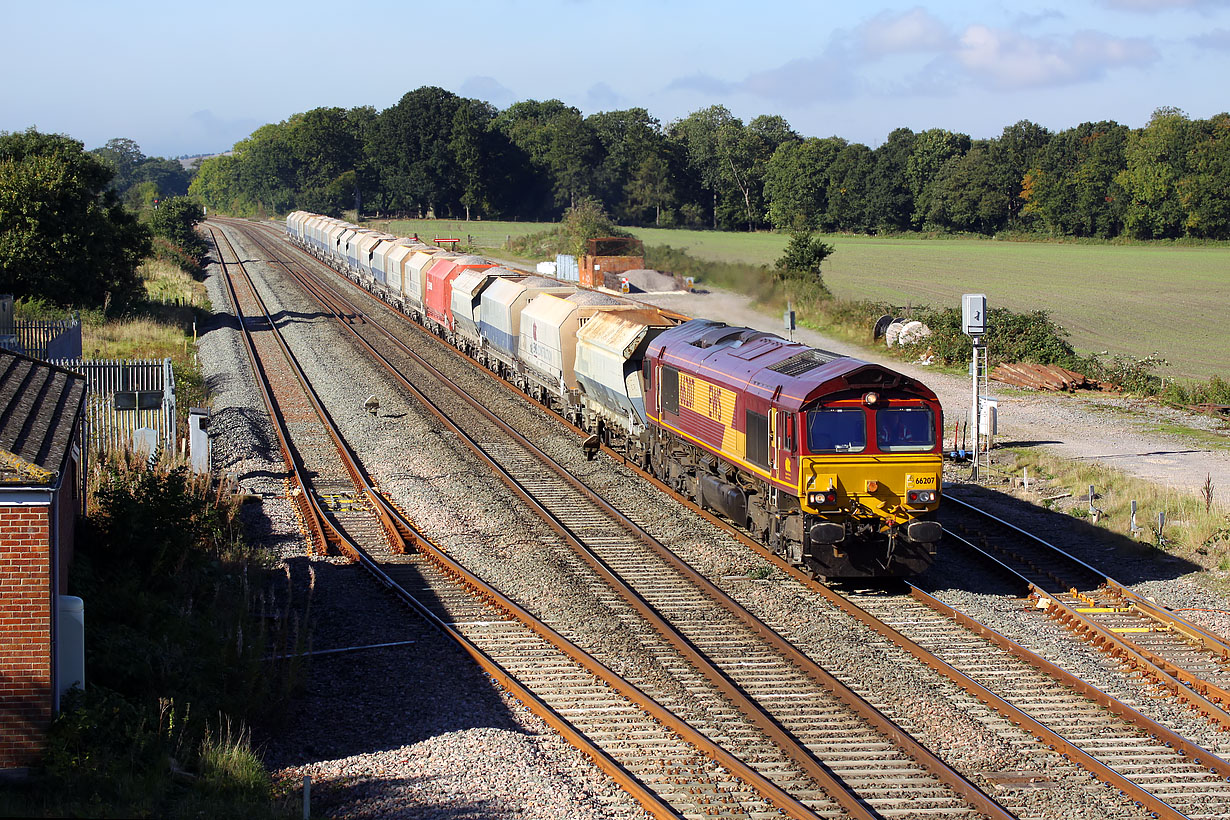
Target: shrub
1011,337
802,260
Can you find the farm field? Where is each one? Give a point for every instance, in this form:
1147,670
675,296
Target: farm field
1128,299
485,234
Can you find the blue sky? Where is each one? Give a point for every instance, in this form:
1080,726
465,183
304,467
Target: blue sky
187,78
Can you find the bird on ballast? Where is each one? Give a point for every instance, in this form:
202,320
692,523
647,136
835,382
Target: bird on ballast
372,404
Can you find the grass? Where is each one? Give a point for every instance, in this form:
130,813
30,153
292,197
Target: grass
473,234
1193,530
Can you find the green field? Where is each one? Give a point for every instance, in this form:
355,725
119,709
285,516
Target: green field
482,234
1130,299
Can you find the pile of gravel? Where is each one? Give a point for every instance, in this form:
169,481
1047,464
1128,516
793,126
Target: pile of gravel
650,281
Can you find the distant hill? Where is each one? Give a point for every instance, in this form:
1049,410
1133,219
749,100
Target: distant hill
187,160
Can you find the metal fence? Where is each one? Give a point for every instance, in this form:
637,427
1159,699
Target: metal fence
49,338
126,396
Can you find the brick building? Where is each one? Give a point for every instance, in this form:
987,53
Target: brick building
41,494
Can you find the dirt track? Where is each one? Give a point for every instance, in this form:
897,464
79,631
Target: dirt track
1111,429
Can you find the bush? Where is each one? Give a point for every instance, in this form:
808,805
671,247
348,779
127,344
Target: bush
174,651
582,222
1011,337
175,220
802,260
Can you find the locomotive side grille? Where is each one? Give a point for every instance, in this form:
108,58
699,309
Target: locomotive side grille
802,362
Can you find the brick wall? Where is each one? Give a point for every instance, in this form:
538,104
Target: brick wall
25,633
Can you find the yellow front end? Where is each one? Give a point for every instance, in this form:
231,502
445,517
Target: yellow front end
876,485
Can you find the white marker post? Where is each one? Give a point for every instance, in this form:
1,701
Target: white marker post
974,323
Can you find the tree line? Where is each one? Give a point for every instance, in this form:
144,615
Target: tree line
75,225
438,154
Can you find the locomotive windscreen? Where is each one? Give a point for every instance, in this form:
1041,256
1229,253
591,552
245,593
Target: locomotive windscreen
905,430
836,430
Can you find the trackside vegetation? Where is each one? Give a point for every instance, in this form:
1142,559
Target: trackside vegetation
179,631
1195,526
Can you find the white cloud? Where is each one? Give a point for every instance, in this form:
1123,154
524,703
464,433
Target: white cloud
702,83
827,77
601,97
1217,39
914,31
1005,59
1153,6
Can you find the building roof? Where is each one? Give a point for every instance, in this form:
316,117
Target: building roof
39,408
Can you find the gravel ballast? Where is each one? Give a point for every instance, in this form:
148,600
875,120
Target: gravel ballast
381,730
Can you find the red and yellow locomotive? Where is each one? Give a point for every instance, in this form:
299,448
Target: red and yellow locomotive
834,463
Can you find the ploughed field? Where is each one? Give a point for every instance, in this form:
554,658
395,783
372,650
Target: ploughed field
1128,299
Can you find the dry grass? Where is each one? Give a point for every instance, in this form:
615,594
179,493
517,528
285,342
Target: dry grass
1193,529
161,328
167,282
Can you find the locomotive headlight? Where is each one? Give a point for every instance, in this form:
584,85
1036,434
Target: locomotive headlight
920,496
871,398
825,499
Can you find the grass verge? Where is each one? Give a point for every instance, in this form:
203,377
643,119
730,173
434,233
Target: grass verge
1196,527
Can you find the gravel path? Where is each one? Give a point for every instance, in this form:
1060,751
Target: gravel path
1117,431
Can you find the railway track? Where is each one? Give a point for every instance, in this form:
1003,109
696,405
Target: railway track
1190,662
668,766
799,725
1150,784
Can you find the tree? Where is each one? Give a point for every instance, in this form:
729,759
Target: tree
411,144
326,150
1012,155
890,203
1071,184
699,135
629,141
560,145
1156,160
847,186
931,150
64,236
746,152
802,259
175,220
123,156
796,180
1205,192
648,187
472,155
967,193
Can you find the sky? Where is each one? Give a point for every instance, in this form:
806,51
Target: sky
194,78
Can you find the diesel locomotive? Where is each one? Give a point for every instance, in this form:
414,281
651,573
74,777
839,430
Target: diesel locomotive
832,462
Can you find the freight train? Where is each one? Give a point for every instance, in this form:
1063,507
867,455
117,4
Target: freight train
833,463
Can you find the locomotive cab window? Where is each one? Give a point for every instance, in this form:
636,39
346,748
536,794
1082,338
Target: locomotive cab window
905,430
758,439
668,389
836,430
